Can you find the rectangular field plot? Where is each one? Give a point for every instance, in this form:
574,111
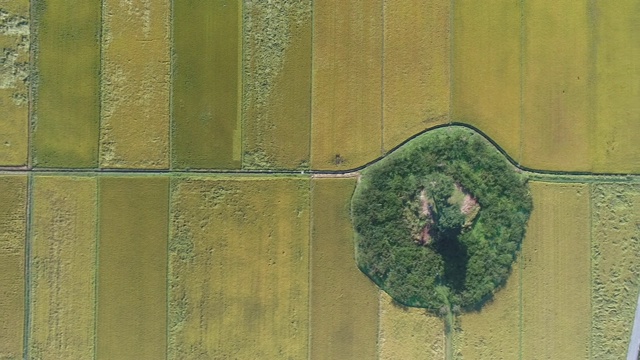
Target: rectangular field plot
408,333
135,84
13,220
277,84
346,129
556,277
617,88
556,110
132,272
486,69
493,333
239,268
14,70
67,90
344,302
206,127
616,269
62,272
416,67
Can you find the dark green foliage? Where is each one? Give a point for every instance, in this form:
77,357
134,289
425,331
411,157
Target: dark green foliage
470,264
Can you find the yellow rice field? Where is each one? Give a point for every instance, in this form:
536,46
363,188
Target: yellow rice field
134,131
62,258
616,270
239,268
493,333
132,268
13,221
408,333
617,89
556,108
344,302
206,88
67,103
486,69
277,84
416,67
556,273
346,120
14,69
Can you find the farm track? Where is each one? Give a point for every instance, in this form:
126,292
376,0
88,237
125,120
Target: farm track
534,174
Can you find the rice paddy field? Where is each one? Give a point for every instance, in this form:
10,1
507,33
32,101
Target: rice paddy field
66,104
13,228
344,302
131,312
416,58
166,185
556,135
408,333
134,131
14,72
239,269
62,260
206,84
277,84
486,79
346,83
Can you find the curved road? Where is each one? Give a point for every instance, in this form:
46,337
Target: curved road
537,174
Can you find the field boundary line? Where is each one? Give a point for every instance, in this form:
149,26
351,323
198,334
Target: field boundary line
171,70
31,96
521,304
310,267
27,266
168,260
523,39
101,74
536,174
452,4
96,271
383,5
591,188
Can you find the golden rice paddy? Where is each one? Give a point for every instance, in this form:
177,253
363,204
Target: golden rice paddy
13,223
416,58
14,72
346,119
344,302
239,268
277,84
132,268
134,130
62,268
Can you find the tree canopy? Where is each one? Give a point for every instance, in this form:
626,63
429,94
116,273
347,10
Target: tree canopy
440,221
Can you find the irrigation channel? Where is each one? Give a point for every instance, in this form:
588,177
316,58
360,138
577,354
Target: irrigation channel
532,174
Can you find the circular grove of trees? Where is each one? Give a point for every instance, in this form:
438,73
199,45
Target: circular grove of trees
440,221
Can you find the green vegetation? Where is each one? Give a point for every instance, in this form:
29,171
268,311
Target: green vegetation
67,86
439,222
